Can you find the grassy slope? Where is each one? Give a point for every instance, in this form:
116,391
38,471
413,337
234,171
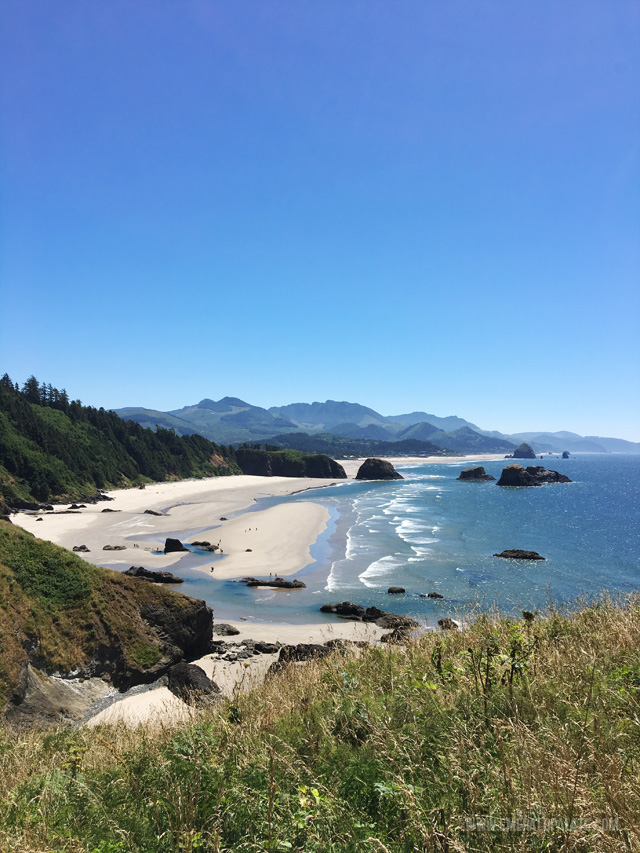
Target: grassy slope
55,602
394,751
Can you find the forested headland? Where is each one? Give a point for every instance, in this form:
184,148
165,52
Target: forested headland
53,447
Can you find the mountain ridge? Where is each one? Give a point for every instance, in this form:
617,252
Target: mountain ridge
232,420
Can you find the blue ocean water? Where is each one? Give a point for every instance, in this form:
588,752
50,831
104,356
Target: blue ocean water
431,532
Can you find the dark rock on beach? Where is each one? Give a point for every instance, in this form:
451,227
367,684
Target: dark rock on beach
475,475
151,512
82,548
191,684
432,595
222,629
278,583
153,576
533,475
114,548
108,509
173,545
517,554
377,469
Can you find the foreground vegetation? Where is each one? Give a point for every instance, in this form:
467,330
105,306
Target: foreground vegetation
532,724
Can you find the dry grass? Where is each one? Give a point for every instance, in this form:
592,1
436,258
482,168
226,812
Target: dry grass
535,723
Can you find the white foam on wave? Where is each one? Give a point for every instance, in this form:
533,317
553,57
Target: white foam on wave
379,569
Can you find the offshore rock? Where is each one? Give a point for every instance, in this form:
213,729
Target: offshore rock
565,454
153,576
524,451
381,618
377,469
517,554
475,475
533,475
396,590
172,545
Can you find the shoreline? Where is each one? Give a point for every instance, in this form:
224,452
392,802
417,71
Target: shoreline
276,540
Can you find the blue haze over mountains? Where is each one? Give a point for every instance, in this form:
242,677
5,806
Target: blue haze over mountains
231,420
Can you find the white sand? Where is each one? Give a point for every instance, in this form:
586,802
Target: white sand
279,537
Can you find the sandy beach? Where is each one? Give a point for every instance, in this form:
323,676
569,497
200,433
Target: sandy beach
275,540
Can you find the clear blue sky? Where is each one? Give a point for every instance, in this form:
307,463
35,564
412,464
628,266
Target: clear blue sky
409,204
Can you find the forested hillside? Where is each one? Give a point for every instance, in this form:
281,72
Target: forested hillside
52,446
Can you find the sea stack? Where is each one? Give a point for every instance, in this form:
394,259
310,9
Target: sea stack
377,469
475,475
533,475
524,451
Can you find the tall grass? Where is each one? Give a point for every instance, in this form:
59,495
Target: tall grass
510,736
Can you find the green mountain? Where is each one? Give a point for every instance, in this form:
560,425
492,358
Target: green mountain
231,419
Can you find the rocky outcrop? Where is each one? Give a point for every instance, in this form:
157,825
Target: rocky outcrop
278,583
349,610
517,554
114,548
153,576
108,509
524,451
173,545
82,548
377,469
151,511
447,624
187,625
396,590
565,454
222,629
533,475
431,595
475,475
191,684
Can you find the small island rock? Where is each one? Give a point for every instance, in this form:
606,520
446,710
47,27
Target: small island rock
518,554
565,454
524,451
396,590
475,475
533,475
377,469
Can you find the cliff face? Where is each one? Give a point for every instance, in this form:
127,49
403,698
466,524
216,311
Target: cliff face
288,463
59,614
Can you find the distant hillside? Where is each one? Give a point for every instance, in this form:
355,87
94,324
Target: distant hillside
322,417
53,447
448,424
61,613
231,420
341,448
